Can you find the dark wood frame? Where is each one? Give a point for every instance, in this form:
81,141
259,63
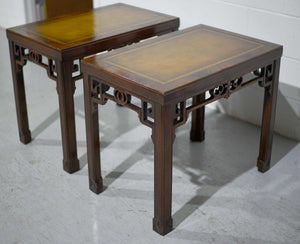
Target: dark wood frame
60,67
164,113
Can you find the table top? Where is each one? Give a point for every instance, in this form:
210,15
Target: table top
186,57
100,23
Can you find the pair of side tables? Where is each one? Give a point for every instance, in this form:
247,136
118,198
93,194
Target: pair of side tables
199,63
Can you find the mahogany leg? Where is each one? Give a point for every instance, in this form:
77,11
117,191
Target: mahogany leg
20,97
163,136
268,120
92,138
65,89
197,130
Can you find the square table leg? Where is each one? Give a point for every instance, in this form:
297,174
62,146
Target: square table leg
268,120
197,129
163,137
65,90
217,72
19,91
93,141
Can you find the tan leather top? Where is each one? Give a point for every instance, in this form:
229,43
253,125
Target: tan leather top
180,57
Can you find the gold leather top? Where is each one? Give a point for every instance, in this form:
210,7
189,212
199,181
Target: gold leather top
98,24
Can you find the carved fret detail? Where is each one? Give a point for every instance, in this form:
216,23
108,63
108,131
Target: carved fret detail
98,90
23,54
181,111
226,89
76,69
51,69
121,97
265,74
19,56
180,115
34,57
146,114
100,96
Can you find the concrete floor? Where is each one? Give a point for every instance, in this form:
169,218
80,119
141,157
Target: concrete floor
218,194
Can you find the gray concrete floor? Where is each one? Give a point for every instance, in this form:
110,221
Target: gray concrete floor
218,194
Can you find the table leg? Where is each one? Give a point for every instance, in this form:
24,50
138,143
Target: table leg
197,130
20,97
65,89
163,136
268,120
92,138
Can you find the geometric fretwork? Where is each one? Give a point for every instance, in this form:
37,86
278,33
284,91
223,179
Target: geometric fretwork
263,76
23,54
100,96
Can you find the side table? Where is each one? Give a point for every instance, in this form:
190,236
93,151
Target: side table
163,74
55,45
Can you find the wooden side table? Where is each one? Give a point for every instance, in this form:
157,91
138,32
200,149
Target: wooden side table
163,74
55,45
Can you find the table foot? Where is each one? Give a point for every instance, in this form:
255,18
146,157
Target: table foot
71,166
96,187
197,136
262,165
25,138
162,228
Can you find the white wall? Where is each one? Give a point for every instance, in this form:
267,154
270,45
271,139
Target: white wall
271,20
12,13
